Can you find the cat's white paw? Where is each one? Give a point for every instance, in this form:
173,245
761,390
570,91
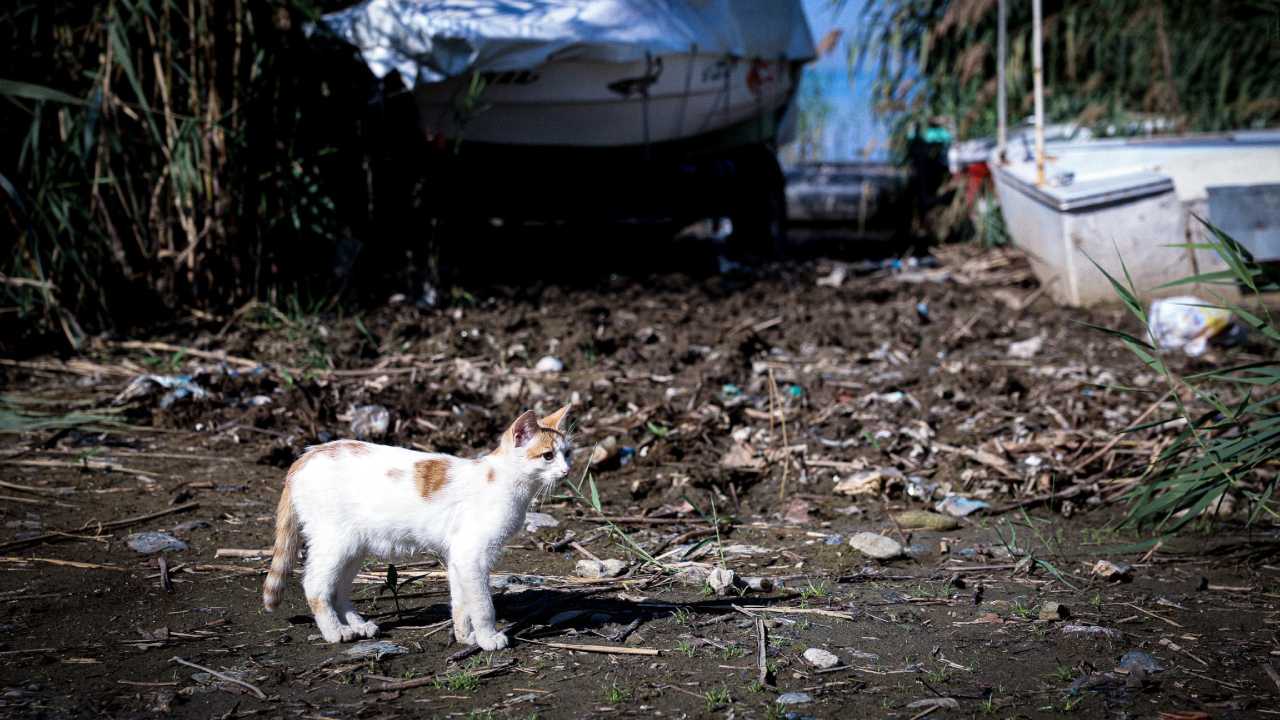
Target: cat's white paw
337,634
491,641
366,629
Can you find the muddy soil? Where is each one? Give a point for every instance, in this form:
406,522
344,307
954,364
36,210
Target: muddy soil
746,398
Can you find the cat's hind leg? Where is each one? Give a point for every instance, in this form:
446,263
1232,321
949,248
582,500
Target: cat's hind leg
320,583
347,610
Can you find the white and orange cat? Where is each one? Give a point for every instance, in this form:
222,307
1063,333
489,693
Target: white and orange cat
352,499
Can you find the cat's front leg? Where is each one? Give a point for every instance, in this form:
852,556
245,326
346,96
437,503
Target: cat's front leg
473,581
457,601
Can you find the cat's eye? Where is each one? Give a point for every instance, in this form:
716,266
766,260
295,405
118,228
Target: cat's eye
548,456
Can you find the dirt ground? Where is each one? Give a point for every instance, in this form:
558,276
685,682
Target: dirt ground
743,398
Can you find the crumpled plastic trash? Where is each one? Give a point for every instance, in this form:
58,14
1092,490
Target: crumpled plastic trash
960,506
179,387
1190,324
376,649
370,421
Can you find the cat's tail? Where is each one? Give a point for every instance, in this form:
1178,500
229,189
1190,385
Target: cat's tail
286,548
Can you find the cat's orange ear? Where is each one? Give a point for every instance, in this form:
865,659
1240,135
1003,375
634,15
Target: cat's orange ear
522,430
556,419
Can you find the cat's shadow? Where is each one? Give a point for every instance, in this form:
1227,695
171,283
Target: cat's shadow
549,612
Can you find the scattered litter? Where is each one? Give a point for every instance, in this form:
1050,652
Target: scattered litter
1053,610
604,450
1138,660
721,580
960,506
149,543
836,539
876,546
835,278
925,520
820,658
729,390
921,489
179,387
259,400
599,568
549,364
375,649
1189,324
868,482
1091,631
759,584
535,520
1026,349
794,698
369,421
1116,572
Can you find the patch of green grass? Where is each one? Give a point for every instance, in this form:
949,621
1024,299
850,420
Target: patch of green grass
938,676
1063,673
988,706
755,686
732,652
459,681
686,648
1023,611
615,694
682,616
717,697
813,592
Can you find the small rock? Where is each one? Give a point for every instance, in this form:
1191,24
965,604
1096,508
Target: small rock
370,421
561,618
935,702
1092,631
820,658
797,512
188,526
1053,611
794,698
375,649
1026,349
742,458
876,546
721,580
925,520
535,520
600,568
549,364
1117,572
149,543
960,506
1138,660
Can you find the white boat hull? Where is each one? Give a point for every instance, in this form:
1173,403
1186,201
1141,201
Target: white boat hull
598,104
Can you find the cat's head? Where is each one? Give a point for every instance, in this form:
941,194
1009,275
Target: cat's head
539,447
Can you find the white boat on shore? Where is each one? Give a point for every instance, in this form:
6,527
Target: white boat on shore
1133,200
587,73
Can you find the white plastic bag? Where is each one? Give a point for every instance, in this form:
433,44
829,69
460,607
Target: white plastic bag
1189,323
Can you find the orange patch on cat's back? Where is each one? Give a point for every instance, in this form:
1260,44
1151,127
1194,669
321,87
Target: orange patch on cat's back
430,476
544,442
339,447
490,475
